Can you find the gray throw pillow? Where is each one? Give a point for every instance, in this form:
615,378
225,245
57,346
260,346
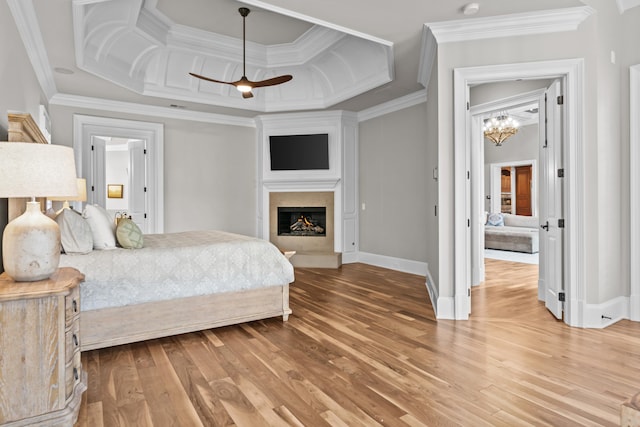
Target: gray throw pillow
75,232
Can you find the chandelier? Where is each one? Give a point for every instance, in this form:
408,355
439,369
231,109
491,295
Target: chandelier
499,128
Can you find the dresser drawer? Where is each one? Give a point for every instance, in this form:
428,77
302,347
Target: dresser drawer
72,305
72,341
73,373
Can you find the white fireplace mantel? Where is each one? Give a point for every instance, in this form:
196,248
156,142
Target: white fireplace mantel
342,129
301,185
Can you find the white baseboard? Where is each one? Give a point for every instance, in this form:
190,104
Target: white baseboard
634,308
349,258
606,313
433,292
398,264
446,308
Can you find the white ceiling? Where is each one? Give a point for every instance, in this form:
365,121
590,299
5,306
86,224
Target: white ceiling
394,28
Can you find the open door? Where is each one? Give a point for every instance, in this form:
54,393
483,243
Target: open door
550,284
97,174
138,183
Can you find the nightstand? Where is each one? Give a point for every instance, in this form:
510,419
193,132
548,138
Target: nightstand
41,376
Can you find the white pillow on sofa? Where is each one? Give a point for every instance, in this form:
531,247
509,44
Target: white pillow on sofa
102,226
521,221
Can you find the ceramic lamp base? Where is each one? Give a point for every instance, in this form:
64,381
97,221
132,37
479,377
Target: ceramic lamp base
31,246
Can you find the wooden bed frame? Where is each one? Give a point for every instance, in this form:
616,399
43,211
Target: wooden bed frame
121,325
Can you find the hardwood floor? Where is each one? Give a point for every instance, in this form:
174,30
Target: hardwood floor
363,348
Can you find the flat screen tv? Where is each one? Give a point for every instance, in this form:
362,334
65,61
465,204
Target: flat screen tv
299,152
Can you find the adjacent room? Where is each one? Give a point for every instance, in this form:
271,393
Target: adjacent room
268,213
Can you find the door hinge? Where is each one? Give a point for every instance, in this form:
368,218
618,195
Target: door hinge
560,99
92,148
468,223
468,292
468,106
561,223
561,173
144,151
93,188
561,297
145,216
468,175
145,189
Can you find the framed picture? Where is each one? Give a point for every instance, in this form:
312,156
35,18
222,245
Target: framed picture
115,191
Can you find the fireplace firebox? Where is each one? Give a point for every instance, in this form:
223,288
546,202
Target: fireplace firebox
302,221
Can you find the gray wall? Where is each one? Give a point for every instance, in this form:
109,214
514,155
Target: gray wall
209,171
395,168
19,89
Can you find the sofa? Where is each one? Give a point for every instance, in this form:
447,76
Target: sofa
510,232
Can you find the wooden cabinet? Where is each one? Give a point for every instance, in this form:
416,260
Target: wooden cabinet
41,377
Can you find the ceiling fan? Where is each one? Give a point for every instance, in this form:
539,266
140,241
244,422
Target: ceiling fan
245,85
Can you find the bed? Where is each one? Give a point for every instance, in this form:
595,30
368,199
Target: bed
177,283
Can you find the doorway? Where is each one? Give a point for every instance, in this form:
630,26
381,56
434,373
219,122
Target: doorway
145,154
571,74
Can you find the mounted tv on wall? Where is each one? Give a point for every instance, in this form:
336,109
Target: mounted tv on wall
299,152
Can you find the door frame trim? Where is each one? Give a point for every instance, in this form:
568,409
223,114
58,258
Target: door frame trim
85,127
571,71
634,182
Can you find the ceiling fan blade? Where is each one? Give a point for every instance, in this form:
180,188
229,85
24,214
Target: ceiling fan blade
212,80
246,95
273,81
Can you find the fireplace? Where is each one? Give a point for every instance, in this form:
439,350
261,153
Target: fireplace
302,221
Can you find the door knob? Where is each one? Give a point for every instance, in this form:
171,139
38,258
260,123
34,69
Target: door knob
545,227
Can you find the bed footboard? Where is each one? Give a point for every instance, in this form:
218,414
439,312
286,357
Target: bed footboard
121,325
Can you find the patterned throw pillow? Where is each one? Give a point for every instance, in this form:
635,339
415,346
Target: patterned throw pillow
129,234
496,219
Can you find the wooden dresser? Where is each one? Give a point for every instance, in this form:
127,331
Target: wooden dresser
41,376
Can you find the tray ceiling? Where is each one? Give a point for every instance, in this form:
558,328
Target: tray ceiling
135,45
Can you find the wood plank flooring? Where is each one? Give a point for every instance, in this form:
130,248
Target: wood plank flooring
363,348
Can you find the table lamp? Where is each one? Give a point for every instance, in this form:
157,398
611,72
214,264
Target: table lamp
31,242
81,197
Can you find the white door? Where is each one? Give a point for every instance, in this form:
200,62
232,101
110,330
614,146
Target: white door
97,186
550,285
138,183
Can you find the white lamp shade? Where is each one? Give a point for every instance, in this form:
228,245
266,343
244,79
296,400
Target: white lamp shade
82,193
37,170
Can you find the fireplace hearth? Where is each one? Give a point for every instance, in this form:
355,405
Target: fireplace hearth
302,221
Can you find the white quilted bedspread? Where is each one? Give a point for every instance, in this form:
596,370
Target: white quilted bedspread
177,265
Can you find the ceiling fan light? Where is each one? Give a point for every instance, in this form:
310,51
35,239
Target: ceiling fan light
243,88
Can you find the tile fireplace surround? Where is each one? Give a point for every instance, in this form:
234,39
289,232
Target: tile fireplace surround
311,251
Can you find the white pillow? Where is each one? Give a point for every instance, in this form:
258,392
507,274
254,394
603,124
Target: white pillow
102,227
75,233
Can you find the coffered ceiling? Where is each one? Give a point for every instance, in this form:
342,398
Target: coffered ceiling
351,55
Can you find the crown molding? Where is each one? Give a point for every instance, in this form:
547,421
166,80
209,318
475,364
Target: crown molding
517,24
67,100
26,21
397,104
624,5
427,56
